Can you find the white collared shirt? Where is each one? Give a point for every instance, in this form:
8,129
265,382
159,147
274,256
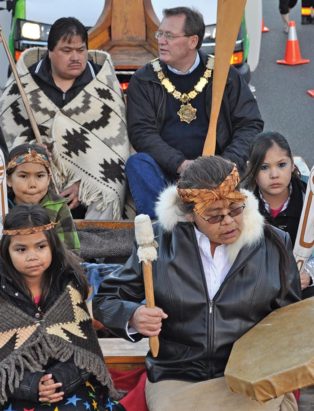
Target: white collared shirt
192,68
215,267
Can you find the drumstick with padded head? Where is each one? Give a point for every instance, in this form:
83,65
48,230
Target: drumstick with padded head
147,252
229,16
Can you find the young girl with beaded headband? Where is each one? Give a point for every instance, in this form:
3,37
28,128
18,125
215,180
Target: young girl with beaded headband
49,353
28,179
219,271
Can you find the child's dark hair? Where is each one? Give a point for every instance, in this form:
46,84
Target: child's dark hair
263,142
63,263
24,149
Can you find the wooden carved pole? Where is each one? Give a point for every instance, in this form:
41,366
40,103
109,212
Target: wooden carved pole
229,16
3,191
27,106
147,253
304,243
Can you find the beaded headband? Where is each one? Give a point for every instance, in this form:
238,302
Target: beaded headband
31,157
202,197
29,230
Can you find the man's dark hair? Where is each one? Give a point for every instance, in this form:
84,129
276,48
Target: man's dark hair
194,22
65,28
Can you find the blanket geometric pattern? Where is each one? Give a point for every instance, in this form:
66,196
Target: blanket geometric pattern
88,136
64,331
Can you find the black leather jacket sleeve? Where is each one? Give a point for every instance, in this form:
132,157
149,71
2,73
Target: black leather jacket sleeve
292,292
119,296
28,388
68,374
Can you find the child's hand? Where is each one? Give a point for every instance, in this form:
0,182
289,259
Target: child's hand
305,280
47,390
71,194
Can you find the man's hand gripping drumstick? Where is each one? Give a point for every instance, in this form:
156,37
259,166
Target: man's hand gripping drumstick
147,319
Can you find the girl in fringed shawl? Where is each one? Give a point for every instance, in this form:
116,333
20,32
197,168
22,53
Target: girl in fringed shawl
49,353
28,176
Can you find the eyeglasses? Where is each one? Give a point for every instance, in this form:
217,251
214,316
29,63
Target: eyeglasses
167,35
218,218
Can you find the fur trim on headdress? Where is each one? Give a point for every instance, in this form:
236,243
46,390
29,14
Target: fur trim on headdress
169,214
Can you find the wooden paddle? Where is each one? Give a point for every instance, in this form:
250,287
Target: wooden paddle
229,16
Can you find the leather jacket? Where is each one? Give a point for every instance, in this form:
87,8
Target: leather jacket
197,337
238,123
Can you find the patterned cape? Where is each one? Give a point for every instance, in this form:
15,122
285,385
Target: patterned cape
64,331
88,135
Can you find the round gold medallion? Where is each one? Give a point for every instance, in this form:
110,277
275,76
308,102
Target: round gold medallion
187,113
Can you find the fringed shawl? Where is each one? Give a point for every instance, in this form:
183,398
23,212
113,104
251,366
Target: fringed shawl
64,331
88,135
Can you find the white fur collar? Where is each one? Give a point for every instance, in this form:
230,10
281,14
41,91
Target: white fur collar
169,215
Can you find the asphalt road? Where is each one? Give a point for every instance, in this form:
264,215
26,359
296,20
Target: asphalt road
281,90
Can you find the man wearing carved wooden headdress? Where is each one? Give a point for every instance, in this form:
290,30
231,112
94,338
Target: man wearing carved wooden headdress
219,271
169,104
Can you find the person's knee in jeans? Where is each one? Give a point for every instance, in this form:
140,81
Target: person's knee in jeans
146,180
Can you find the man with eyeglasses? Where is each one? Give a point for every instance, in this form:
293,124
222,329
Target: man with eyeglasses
169,104
220,270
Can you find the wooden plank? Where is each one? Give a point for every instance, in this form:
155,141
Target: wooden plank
128,20
124,355
106,225
118,347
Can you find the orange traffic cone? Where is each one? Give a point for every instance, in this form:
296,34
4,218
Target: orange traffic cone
293,54
264,28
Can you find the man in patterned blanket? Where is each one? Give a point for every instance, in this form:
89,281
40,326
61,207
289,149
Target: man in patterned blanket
80,111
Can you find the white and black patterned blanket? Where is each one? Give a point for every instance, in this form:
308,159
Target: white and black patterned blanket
88,135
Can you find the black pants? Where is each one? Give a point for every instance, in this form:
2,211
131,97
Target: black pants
285,5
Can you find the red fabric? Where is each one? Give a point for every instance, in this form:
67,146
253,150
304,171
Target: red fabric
36,299
297,394
132,381
275,211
